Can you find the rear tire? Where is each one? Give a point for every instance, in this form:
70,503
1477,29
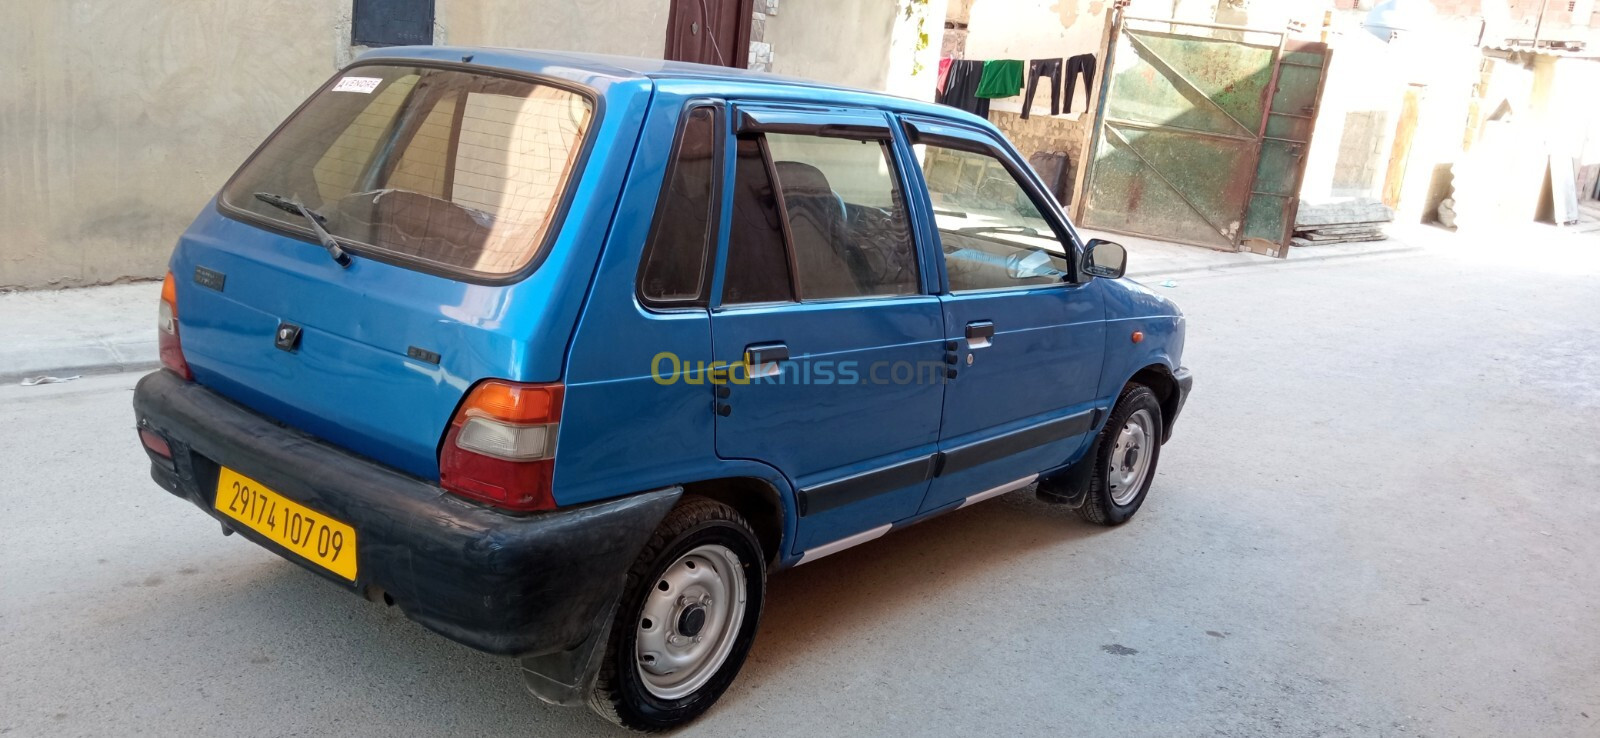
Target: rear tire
1127,451
687,618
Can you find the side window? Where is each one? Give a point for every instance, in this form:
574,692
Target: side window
758,264
990,230
847,218
674,264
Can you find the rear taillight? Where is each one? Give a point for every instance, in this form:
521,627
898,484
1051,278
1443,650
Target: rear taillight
167,330
501,446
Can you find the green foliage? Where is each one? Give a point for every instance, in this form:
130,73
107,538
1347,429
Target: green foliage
919,9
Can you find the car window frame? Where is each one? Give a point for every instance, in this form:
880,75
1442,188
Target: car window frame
719,208
954,135
558,214
723,246
851,124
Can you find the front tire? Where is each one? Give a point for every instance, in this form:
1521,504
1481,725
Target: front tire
1127,451
686,621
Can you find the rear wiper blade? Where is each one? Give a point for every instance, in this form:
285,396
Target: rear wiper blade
314,218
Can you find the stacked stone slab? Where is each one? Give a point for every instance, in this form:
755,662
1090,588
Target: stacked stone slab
1341,221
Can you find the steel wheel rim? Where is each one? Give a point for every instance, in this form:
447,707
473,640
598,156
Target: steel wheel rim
1130,457
689,622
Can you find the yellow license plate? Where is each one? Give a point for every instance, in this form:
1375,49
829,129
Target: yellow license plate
307,533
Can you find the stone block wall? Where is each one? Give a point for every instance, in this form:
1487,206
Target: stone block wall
1361,152
1047,133
760,48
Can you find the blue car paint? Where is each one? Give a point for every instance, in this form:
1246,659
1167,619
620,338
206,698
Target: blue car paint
1038,371
823,433
611,376
1131,307
576,319
351,382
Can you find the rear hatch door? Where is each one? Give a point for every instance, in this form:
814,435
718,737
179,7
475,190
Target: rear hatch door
446,185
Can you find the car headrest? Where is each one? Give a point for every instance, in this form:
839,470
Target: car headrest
805,183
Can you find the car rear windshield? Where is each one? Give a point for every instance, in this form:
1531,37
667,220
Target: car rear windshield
445,167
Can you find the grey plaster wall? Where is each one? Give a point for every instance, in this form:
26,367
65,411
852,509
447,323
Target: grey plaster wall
844,42
120,119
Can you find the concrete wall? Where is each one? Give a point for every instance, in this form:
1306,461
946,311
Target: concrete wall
845,42
1533,107
1354,143
120,119
1034,29
625,27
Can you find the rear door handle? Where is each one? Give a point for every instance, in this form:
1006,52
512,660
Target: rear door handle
980,333
762,360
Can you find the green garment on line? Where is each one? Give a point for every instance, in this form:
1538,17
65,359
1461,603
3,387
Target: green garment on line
1001,78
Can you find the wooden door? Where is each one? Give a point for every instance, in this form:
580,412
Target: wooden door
1394,180
710,32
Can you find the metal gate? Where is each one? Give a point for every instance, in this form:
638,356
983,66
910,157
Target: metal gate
1201,136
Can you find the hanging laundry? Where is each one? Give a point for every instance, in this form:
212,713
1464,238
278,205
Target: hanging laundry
1037,68
1084,64
944,75
1001,78
961,87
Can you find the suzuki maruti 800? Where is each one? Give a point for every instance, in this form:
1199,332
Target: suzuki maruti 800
562,355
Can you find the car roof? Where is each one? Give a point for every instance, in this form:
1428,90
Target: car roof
602,70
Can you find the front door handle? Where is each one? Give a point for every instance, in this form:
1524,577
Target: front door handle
763,359
980,333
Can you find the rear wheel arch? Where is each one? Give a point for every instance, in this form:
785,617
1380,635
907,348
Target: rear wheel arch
754,498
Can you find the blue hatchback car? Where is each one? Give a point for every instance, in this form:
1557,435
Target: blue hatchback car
563,354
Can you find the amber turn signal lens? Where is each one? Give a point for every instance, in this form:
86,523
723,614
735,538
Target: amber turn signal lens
1138,336
515,403
167,340
500,447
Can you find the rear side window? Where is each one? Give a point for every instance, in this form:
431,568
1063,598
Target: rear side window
832,226
847,218
674,269
461,171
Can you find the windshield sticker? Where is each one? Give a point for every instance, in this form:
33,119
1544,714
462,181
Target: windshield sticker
363,85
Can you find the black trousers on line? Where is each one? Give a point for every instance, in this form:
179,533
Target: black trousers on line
1082,63
960,86
1045,68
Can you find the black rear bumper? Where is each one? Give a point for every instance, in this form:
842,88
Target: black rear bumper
510,585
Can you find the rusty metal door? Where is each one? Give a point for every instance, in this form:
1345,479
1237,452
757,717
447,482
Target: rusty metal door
1182,151
1285,141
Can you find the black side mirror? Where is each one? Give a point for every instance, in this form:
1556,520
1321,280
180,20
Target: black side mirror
1102,258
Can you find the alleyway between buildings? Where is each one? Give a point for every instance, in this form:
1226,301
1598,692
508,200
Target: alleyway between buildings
1377,518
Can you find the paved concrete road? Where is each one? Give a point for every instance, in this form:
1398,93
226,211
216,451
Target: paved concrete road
1378,518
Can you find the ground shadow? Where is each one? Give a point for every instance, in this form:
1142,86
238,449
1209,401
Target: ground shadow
361,647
